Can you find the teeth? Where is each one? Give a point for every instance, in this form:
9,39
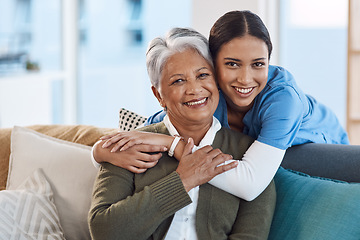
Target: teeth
195,103
243,90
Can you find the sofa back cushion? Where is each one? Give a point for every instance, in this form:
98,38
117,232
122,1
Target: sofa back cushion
68,168
334,161
82,134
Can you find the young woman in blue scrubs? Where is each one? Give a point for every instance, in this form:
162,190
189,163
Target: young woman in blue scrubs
258,99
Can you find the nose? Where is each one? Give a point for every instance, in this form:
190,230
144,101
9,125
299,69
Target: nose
244,75
194,87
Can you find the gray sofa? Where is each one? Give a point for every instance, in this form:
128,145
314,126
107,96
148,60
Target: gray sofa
341,162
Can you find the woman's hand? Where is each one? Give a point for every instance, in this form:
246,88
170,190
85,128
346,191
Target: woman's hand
136,159
201,166
124,140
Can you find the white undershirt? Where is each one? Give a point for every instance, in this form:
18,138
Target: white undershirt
183,224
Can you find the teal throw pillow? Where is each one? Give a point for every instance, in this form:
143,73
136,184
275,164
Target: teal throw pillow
312,208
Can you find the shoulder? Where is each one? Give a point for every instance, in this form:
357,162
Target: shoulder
280,77
280,101
278,72
108,170
232,142
155,118
281,89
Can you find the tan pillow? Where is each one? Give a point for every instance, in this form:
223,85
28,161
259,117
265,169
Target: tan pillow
68,168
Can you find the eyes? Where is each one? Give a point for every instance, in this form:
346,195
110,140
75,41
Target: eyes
200,76
203,75
233,64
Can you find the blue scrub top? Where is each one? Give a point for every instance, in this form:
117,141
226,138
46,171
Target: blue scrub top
283,116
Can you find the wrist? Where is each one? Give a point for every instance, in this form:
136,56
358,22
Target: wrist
186,185
173,145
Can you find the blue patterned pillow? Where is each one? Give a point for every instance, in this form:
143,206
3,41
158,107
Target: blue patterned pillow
312,208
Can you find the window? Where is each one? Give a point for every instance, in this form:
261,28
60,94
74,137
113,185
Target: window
30,62
107,65
112,70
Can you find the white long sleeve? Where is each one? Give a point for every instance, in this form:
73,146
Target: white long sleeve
253,173
96,164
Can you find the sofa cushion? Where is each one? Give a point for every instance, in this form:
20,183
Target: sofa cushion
82,134
68,168
29,211
315,208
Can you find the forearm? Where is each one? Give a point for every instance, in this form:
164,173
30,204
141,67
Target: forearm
101,154
253,173
118,211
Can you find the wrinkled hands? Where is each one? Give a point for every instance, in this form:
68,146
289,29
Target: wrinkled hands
130,150
203,165
135,151
136,159
124,140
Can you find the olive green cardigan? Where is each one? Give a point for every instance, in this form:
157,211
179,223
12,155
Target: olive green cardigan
141,206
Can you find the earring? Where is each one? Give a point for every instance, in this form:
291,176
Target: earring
164,107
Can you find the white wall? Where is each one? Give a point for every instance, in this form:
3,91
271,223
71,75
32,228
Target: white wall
206,12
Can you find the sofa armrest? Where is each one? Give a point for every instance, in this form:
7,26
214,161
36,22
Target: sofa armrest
341,162
5,134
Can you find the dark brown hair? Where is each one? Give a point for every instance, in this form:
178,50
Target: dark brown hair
237,24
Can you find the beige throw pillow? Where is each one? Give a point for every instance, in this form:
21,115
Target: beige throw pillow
68,168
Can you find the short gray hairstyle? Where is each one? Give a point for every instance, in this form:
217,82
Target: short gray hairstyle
176,40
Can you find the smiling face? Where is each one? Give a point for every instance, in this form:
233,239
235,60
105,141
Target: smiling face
188,89
242,71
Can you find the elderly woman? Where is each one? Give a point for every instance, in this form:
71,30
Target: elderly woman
173,199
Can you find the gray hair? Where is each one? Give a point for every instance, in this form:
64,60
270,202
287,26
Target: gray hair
176,40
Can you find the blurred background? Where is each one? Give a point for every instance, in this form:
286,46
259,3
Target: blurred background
80,61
